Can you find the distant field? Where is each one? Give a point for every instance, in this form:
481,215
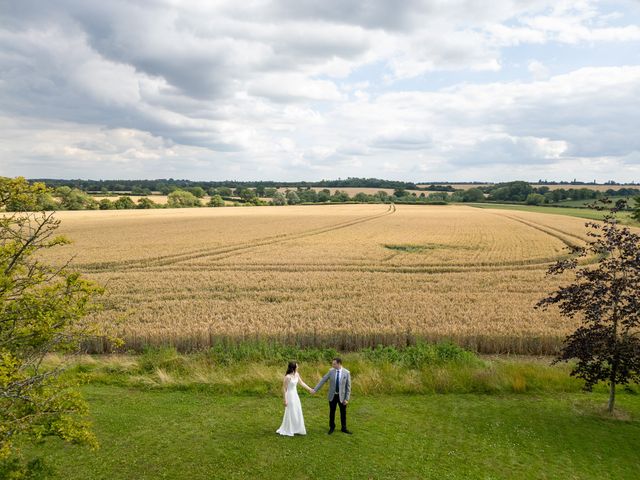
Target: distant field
159,199
601,188
584,203
458,186
343,275
353,190
625,217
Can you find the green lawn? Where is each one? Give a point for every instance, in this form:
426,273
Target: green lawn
154,434
625,217
584,203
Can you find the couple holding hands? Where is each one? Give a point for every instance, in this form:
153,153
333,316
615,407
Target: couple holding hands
339,393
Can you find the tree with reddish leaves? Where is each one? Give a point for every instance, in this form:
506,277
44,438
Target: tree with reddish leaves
605,297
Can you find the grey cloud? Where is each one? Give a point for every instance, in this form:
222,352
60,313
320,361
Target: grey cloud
406,140
230,79
504,149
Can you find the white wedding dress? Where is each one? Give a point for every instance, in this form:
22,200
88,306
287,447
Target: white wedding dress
293,421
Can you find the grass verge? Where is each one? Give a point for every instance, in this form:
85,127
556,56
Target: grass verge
197,435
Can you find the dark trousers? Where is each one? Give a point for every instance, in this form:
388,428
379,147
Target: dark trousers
332,413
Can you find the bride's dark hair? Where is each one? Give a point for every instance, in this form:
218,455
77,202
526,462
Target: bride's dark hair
291,367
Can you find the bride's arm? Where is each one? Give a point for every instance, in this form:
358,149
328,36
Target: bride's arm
307,387
284,389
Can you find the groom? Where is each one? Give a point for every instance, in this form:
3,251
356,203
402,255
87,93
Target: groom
339,393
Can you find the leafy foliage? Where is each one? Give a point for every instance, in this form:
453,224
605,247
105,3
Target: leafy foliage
182,199
636,211
605,298
42,309
421,354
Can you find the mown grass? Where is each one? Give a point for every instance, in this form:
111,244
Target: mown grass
624,217
584,203
424,411
197,435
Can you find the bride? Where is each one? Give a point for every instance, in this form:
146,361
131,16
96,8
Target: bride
293,421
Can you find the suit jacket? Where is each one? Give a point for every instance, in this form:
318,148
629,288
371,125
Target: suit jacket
345,384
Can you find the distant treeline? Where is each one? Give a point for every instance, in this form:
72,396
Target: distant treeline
576,182
75,194
165,186
64,197
524,192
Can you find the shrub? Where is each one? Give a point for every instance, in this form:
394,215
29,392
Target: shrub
420,355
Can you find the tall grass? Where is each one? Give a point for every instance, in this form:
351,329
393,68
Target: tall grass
349,341
258,368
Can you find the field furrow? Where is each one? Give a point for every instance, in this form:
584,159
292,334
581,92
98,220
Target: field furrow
341,275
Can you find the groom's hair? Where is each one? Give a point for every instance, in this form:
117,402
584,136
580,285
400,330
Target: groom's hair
338,360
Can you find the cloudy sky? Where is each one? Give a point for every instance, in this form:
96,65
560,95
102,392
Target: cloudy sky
431,90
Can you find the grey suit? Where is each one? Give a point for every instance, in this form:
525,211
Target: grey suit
345,384
337,399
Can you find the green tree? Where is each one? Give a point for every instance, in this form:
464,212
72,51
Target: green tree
43,309
255,201
535,199
75,199
438,197
124,203
382,195
361,197
106,204
246,194
511,191
324,195
224,191
473,195
182,199
279,199
604,297
197,192
636,211
340,196
167,189
138,190
216,201
26,196
307,195
292,198
146,203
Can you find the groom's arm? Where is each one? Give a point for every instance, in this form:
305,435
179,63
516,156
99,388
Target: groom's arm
322,381
347,388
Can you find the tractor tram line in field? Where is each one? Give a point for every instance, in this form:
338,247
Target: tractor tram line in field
553,232
241,249
135,265
446,272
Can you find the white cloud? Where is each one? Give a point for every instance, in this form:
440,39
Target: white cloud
538,70
289,89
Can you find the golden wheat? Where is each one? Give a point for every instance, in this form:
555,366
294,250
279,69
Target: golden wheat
340,275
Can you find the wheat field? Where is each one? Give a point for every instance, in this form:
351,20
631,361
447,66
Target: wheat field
346,276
